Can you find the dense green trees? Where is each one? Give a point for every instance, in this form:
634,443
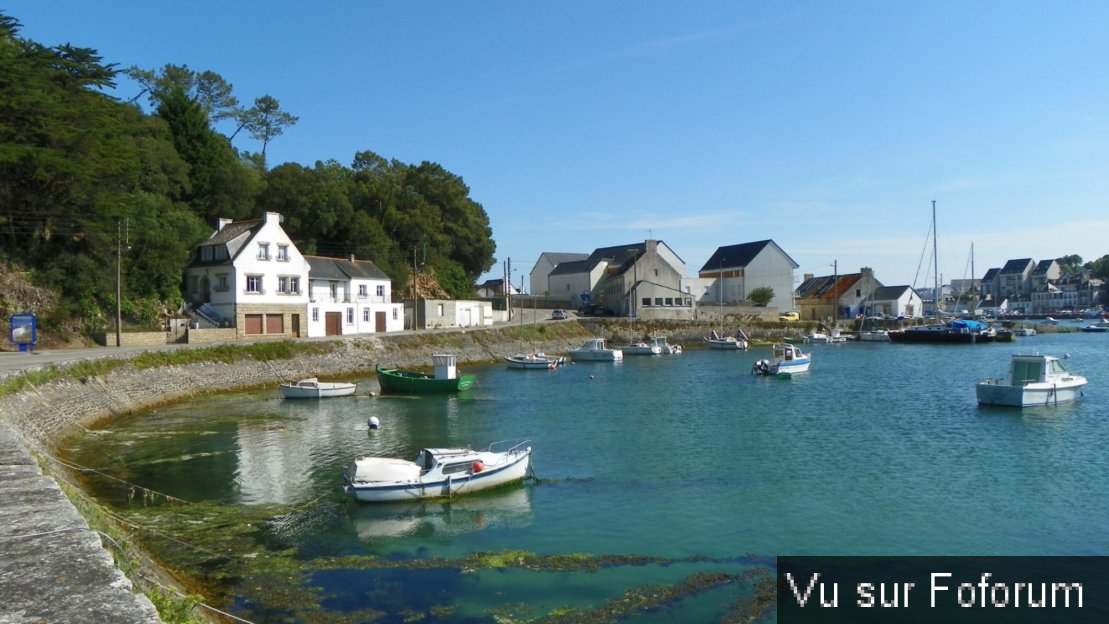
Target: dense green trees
83,173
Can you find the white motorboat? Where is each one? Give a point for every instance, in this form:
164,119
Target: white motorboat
665,346
737,342
832,337
313,388
788,360
1024,331
1033,380
537,359
641,348
436,473
594,350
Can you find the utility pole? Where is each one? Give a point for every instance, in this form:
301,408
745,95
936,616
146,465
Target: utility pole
119,287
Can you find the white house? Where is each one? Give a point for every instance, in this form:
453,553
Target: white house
440,313
740,269
548,261
249,275
348,296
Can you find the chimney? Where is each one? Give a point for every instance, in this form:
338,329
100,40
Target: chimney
273,217
221,223
352,257
808,276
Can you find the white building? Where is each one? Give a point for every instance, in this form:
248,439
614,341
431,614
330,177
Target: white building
350,297
249,275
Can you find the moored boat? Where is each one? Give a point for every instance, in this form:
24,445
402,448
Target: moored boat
536,360
831,337
738,342
1024,331
594,350
1033,380
1095,329
445,379
436,473
788,360
958,331
313,388
641,348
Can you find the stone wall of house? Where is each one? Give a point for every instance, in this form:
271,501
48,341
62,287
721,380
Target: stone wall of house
200,336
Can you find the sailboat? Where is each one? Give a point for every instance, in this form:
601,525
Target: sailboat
957,331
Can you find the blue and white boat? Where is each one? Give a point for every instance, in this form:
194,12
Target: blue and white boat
788,361
436,473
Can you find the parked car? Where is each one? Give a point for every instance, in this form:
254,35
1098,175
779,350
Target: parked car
789,316
558,314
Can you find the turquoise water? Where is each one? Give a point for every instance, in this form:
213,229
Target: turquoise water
880,450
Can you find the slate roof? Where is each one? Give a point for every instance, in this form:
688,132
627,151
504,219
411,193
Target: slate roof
990,275
736,256
234,236
1043,266
1016,266
557,258
341,269
567,268
889,293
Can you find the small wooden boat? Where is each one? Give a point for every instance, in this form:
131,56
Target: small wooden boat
593,350
445,379
1033,380
436,473
788,360
313,388
537,360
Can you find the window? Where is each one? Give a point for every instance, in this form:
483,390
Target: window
206,253
365,315
282,253
294,285
194,282
363,290
219,253
646,302
439,309
221,282
380,290
263,251
282,284
350,316
658,301
689,302
669,301
254,284
394,314
315,315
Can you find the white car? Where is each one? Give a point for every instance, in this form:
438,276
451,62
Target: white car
558,315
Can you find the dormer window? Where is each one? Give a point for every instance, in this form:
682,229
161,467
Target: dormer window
263,251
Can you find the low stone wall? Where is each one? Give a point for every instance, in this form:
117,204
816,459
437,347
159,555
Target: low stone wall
199,336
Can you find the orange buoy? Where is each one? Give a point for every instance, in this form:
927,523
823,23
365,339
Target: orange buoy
479,466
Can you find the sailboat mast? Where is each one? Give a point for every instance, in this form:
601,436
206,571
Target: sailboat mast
973,286
935,264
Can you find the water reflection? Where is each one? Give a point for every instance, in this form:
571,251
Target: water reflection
509,507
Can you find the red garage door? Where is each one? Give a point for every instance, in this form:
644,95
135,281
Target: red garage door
253,324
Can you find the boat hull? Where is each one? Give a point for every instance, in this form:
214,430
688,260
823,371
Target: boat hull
874,336
410,382
608,355
318,391
993,392
530,362
727,344
641,349
463,483
791,368
939,337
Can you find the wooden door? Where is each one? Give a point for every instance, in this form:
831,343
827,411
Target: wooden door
379,322
333,323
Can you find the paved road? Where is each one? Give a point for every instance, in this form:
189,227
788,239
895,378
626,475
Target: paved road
14,361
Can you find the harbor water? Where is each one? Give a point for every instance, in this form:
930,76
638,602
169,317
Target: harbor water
648,471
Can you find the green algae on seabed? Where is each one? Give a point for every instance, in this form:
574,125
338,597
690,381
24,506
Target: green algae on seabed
230,553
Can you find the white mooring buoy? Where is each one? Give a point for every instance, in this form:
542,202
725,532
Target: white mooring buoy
374,422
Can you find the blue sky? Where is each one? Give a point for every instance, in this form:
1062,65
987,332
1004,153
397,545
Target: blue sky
829,127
